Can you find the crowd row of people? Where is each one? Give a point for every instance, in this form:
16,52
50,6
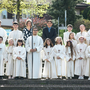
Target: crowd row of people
66,59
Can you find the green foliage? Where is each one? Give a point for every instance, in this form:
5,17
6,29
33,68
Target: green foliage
38,7
81,21
58,7
40,33
86,13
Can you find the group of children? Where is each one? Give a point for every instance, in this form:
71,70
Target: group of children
59,60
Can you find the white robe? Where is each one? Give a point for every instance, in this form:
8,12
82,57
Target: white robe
74,42
70,64
15,35
59,50
80,65
37,62
10,63
49,67
3,33
19,65
88,37
66,36
87,71
84,34
2,58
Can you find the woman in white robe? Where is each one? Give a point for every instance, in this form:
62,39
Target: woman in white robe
2,57
49,65
9,54
59,54
35,69
87,71
19,55
70,57
80,63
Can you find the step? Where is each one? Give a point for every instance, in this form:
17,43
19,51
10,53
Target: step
45,82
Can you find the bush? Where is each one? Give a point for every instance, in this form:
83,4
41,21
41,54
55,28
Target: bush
40,23
81,21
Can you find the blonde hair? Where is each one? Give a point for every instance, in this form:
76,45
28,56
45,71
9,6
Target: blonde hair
60,39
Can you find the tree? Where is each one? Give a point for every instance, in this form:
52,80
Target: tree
38,7
86,13
58,7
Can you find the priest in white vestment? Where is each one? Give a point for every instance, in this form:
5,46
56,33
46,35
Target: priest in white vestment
19,55
3,33
82,32
66,34
34,68
80,63
15,34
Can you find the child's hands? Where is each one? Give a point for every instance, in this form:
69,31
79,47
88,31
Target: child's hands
58,57
80,58
47,60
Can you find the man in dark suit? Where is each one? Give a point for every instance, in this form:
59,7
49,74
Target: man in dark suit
49,32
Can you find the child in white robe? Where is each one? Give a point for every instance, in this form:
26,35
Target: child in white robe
66,34
70,57
87,72
80,63
49,66
19,55
72,38
59,54
9,54
82,32
2,57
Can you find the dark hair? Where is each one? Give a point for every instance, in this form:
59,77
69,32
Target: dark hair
35,27
70,34
69,25
1,37
71,47
49,21
20,41
45,43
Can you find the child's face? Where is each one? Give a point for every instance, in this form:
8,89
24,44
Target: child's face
15,26
69,44
58,40
19,43
48,42
1,40
72,36
81,40
69,29
11,42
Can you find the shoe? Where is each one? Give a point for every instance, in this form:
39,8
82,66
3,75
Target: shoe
82,77
79,77
89,78
70,77
9,77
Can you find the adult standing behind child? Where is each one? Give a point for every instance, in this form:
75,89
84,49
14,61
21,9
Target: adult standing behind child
49,32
